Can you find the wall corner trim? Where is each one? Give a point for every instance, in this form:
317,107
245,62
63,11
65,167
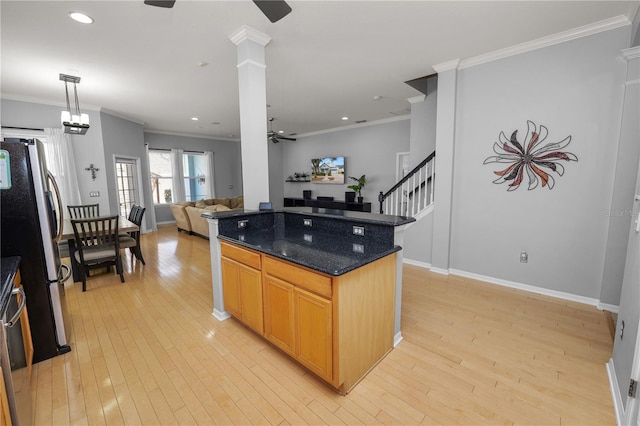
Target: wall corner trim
447,66
417,99
618,406
631,53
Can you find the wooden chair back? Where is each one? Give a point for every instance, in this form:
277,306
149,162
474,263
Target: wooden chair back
97,244
84,211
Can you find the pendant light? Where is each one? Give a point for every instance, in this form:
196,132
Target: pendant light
73,121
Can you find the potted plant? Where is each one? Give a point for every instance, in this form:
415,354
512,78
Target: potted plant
361,181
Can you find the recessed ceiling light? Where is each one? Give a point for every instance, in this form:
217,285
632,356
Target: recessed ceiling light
345,118
203,64
281,131
81,17
377,97
195,118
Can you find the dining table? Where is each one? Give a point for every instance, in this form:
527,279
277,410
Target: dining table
124,226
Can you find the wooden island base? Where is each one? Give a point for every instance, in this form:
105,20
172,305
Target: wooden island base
338,327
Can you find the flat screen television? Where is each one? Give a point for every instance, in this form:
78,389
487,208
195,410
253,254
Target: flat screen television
327,170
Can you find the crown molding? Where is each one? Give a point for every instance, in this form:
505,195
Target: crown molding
631,53
119,115
447,66
41,101
417,99
564,36
355,126
245,32
190,135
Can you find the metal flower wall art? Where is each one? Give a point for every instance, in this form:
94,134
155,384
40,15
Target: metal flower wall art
538,160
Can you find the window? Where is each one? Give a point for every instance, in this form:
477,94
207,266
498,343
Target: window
160,169
194,172
194,176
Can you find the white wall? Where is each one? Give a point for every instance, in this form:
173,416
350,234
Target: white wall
573,88
369,150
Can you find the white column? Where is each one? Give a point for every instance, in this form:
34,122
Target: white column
253,114
216,272
445,138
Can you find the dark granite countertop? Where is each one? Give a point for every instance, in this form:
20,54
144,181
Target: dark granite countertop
322,252
374,218
9,266
380,219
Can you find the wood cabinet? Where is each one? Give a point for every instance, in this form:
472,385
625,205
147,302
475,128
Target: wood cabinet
337,327
242,285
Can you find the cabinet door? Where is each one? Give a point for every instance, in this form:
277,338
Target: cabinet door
278,313
251,297
314,333
231,287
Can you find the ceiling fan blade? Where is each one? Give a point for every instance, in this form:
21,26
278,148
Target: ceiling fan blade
273,9
160,3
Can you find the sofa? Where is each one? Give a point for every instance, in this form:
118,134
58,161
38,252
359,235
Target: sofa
188,213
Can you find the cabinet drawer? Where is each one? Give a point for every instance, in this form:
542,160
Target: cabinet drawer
239,254
299,276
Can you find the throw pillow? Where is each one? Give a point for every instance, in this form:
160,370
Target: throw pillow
217,208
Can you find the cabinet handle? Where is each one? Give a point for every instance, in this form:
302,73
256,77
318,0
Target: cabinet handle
23,303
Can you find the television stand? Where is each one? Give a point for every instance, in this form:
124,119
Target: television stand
327,204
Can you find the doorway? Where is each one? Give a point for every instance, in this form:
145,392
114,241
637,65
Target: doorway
128,184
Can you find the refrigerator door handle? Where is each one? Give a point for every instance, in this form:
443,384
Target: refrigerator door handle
56,192
23,303
66,274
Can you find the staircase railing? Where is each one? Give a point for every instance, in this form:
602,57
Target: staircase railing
413,193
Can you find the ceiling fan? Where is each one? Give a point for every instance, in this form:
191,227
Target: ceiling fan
273,9
275,137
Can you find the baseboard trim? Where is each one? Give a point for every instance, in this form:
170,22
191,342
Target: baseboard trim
618,407
397,339
526,287
608,307
417,263
221,315
166,222
440,271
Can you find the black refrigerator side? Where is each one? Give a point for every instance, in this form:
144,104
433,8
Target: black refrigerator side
22,236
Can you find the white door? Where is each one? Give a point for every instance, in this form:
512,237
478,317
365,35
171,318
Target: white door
128,184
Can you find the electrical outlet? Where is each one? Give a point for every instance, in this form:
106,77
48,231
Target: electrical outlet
230,186
358,230
306,222
524,257
358,248
94,194
308,238
243,223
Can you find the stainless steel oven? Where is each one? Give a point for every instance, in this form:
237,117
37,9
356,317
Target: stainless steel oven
13,362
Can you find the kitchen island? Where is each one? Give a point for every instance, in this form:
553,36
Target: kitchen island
320,285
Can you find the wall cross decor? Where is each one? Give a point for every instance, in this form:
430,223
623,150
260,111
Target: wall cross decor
538,160
93,171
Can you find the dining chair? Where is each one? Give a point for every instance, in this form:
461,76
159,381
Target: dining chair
132,240
84,211
97,245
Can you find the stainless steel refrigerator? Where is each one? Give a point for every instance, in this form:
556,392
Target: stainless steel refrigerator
30,222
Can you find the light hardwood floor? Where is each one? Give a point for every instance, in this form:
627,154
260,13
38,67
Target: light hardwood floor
149,352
